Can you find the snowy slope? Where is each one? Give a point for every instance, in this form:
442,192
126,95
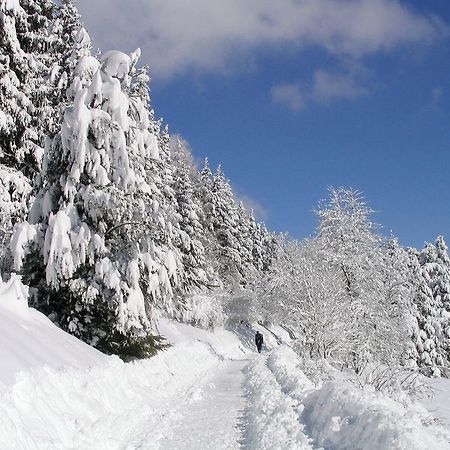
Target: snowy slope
29,340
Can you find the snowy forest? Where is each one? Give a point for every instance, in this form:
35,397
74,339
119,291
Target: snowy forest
112,224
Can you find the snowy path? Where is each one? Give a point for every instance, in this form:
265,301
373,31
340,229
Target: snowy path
209,417
200,412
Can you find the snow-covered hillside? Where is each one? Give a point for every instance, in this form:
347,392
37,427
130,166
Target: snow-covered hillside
29,340
208,390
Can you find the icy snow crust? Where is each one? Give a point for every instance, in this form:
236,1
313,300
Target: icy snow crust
209,390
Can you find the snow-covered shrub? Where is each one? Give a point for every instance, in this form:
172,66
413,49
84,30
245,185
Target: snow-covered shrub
432,309
395,381
204,311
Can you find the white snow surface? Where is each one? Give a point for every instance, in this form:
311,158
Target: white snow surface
10,5
209,390
30,341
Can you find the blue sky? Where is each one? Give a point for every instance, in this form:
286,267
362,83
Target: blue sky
291,97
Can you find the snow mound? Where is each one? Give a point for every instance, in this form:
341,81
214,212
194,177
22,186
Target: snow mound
344,417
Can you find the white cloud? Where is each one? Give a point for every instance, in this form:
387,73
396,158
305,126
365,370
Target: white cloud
289,95
178,35
436,95
324,88
328,87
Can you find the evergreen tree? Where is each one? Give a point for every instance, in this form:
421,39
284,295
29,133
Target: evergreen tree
70,42
399,273
196,273
108,261
442,288
25,60
419,291
430,307
432,304
225,222
26,53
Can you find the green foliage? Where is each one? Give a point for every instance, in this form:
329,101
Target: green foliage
129,347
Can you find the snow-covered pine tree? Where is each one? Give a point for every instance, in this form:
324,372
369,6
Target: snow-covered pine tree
103,263
70,42
25,56
203,190
226,222
415,352
15,195
430,310
25,59
247,237
197,275
442,289
432,303
399,288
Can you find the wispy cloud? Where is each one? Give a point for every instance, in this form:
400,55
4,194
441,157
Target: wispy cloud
260,212
329,86
436,95
208,35
325,88
289,95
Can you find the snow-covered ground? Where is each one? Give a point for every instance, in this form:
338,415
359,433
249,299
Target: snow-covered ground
29,340
207,391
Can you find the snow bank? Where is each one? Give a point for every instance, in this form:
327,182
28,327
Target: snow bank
271,420
344,417
30,340
285,365
339,415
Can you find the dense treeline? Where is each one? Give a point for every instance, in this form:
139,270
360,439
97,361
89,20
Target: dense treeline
358,297
111,223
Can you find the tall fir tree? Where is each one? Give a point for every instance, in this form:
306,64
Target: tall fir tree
430,308
432,304
197,275
104,243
